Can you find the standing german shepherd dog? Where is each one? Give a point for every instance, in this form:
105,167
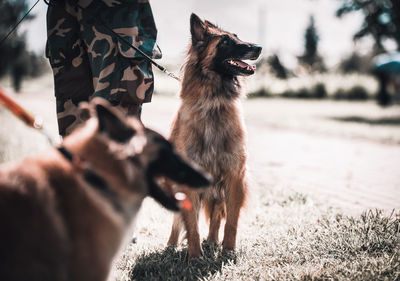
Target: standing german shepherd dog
209,129
63,214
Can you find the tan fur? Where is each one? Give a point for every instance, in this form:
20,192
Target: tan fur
54,225
209,130
45,199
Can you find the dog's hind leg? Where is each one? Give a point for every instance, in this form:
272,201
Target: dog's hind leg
235,197
191,221
215,212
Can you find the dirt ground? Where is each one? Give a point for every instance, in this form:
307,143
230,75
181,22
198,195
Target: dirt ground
346,154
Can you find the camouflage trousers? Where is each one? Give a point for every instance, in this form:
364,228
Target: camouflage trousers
89,61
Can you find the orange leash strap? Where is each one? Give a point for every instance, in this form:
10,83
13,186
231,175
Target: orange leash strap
25,116
17,110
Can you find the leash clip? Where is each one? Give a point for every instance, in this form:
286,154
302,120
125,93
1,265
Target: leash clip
171,74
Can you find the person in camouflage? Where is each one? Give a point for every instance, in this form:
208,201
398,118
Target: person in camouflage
89,61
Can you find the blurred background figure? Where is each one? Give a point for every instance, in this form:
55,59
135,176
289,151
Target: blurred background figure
387,70
17,60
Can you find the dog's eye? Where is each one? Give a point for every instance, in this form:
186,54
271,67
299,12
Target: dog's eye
225,41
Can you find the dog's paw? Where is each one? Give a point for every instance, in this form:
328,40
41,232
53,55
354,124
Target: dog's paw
229,255
193,255
210,247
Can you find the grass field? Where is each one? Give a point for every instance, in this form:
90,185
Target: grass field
324,202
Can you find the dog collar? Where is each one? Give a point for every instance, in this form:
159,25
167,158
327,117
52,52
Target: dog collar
91,178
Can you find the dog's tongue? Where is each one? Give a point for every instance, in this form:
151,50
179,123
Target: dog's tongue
245,65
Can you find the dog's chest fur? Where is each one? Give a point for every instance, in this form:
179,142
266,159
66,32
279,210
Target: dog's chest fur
211,133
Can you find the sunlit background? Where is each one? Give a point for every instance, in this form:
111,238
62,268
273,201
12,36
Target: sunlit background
278,25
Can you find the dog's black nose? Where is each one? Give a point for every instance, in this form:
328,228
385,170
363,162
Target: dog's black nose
257,50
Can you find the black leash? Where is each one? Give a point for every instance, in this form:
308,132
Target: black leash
15,26
127,43
160,67
91,177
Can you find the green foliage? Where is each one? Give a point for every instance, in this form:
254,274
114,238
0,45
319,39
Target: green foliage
262,92
356,93
318,91
277,68
356,63
381,19
311,41
310,58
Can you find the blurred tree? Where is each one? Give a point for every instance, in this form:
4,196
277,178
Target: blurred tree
311,42
381,19
15,60
277,68
310,59
356,62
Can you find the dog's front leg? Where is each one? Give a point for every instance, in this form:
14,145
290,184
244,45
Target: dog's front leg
235,197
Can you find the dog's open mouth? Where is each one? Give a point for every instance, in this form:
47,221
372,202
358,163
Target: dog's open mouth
169,167
166,195
240,66
163,187
169,197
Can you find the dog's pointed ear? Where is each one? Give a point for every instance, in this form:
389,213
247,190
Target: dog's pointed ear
210,24
198,29
112,124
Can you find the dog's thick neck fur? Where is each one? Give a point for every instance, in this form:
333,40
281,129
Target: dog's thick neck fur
86,145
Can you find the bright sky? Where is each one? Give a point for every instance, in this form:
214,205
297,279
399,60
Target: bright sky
282,26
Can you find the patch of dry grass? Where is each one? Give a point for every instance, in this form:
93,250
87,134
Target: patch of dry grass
287,237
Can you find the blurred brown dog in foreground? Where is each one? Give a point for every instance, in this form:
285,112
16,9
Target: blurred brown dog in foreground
209,130
63,214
